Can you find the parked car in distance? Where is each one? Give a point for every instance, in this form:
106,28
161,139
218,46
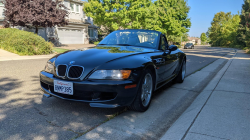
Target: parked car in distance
124,69
189,46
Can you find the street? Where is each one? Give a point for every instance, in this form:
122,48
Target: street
26,114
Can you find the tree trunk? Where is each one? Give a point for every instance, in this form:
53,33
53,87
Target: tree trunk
36,30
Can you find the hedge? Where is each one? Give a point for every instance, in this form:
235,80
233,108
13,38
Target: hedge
23,42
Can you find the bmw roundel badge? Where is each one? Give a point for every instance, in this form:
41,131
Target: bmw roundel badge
71,62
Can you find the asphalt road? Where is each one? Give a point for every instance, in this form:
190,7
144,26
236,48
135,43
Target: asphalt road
26,114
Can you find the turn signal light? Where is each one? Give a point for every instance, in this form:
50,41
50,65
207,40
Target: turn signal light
125,74
130,86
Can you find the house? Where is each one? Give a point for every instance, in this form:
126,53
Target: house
194,40
80,29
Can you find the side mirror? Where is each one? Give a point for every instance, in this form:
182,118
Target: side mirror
172,48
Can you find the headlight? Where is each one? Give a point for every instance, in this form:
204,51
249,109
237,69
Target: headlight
110,74
49,67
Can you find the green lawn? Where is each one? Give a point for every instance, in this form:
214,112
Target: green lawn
59,50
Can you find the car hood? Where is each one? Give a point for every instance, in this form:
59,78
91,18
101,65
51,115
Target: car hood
91,58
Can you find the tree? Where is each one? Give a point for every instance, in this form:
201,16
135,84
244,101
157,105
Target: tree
37,13
223,30
173,17
185,37
203,37
122,14
243,36
167,16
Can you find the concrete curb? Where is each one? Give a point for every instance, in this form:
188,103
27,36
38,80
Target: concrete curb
181,126
26,57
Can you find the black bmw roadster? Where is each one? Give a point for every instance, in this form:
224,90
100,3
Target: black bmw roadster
124,69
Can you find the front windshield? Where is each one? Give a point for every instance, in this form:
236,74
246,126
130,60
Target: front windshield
189,44
140,38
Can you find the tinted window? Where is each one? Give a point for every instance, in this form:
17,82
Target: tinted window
163,43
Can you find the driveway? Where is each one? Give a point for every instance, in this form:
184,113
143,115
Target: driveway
26,114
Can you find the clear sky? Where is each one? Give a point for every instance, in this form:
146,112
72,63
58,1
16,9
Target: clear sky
203,11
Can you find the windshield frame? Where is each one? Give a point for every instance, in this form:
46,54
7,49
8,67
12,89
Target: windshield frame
134,30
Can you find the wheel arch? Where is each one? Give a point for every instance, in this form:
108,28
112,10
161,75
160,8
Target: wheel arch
152,68
183,58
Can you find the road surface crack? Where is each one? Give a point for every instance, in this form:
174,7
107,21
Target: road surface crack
40,112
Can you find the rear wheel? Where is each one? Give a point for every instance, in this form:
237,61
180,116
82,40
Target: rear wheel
145,91
181,75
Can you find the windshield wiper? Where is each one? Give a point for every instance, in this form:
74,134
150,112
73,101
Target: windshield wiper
124,44
116,44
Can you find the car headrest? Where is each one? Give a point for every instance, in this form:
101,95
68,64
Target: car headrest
133,39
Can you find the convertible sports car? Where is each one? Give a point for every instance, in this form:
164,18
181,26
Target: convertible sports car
122,70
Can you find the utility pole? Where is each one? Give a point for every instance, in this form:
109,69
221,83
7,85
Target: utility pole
181,39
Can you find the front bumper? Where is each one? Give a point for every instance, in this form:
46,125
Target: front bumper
98,93
187,47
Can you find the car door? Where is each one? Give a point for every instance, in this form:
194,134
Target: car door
171,58
163,60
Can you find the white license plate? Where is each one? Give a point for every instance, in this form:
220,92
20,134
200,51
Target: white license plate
63,87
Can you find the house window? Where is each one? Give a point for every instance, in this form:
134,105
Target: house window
91,32
65,4
77,8
1,3
72,6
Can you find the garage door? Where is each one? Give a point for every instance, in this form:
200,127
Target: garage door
70,36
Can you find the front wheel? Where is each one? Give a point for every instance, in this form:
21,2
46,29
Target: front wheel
145,91
181,75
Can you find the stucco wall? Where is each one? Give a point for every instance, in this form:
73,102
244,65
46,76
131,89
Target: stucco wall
73,14
1,11
1,15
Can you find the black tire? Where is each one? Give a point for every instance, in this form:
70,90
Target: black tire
137,105
180,78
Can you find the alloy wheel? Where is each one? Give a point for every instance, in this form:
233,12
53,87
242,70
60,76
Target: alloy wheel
147,87
183,70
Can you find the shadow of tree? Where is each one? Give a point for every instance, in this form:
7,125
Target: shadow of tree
26,114
7,84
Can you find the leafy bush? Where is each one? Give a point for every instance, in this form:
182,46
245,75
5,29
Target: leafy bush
23,42
97,42
248,51
92,40
178,46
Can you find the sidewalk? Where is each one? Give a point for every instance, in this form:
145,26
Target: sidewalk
222,109
7,56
